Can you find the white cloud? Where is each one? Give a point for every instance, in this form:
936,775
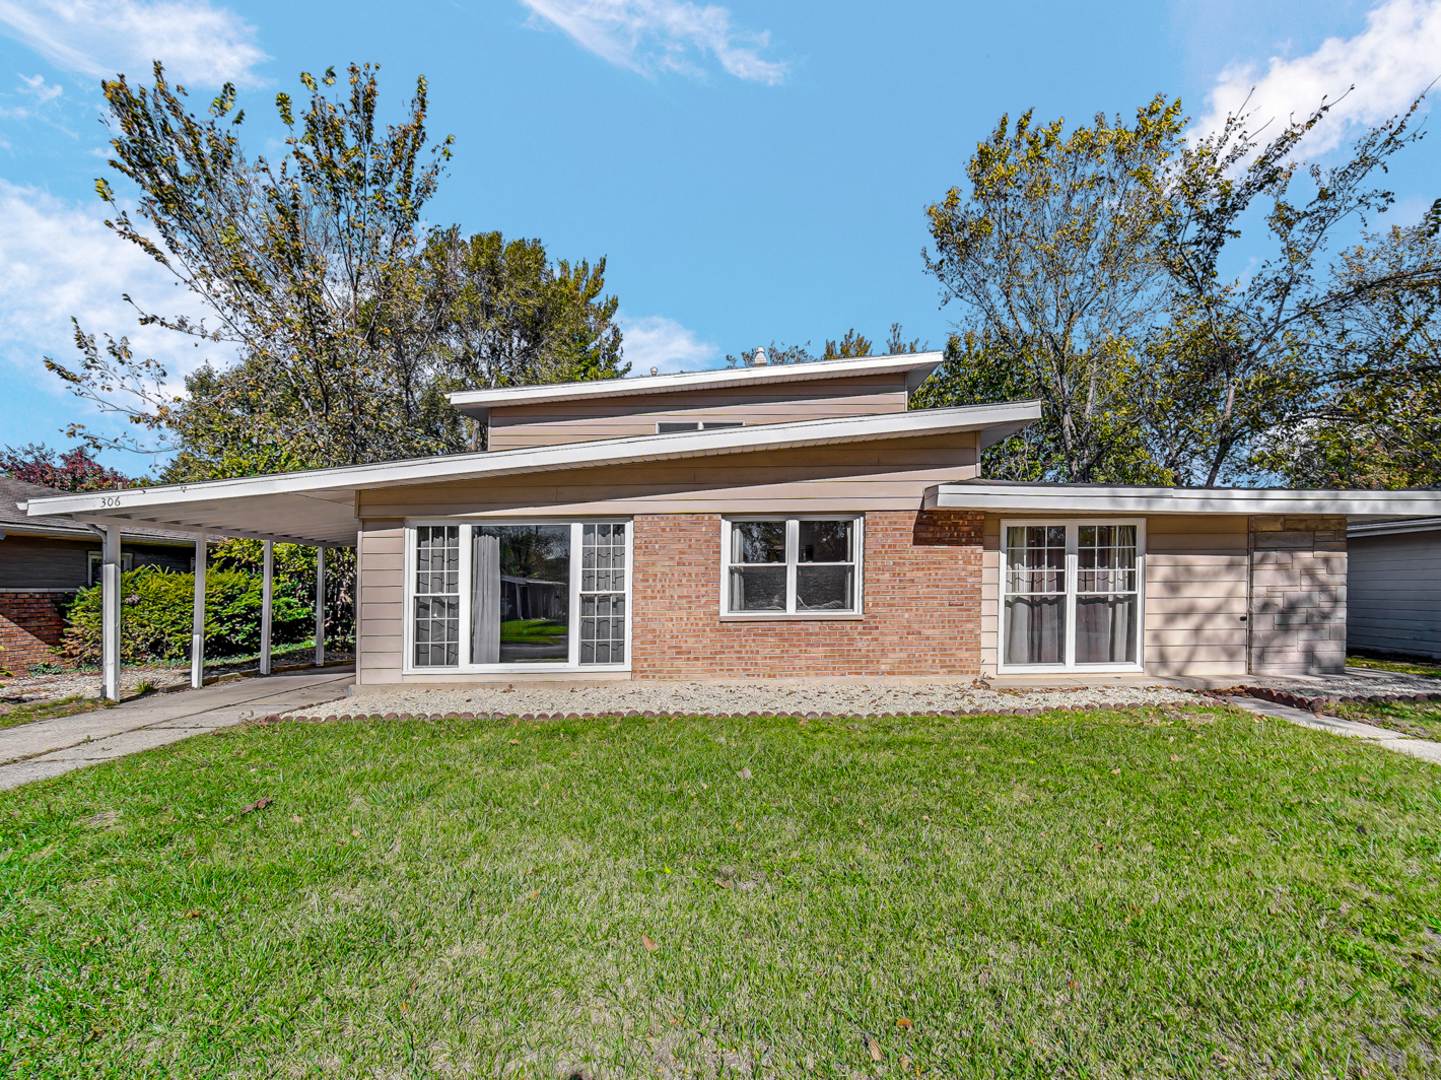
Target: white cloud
58,260
1395,58
34,85
649,36
198,44
654,341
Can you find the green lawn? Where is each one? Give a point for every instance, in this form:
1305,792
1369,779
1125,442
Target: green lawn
1404,667
1422,721
1071,895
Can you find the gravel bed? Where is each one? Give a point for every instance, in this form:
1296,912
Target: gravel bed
790,697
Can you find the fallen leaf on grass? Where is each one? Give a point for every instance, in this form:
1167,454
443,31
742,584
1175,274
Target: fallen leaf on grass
296,818
259,804
875,1049
723,884
514,742
744,774
355,833
193,914
904,1024
1175,757
534,893
650,946
1115,772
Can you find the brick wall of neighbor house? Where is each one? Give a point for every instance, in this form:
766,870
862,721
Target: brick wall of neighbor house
30,623
1298,595
922,605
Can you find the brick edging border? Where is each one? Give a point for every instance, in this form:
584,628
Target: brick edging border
634,714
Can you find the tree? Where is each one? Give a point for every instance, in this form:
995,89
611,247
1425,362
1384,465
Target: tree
1257,355
303,266
69,470
349,319
1049,257
1376,420
852,344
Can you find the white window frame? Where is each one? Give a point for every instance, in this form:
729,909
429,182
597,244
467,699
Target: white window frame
95,558
467,526
1072,526
700,425
858,524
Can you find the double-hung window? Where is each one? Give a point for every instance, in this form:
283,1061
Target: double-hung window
487,596
1072,594
809,567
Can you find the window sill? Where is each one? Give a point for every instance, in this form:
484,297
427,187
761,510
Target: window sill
799,616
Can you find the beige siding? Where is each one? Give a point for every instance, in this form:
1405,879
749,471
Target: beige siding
1393,593
381,631
883,475
1196,594
516,426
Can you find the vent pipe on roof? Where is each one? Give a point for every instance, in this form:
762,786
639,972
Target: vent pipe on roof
761,360
655,371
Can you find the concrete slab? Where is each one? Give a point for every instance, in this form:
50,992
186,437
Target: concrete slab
47,748
1353,729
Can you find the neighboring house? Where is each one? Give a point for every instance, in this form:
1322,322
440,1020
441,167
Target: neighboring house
789,520
45,560
1394,588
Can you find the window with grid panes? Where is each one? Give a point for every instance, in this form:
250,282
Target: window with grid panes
437,595
792,566
602,594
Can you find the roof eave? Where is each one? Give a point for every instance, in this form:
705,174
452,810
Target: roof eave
1042,499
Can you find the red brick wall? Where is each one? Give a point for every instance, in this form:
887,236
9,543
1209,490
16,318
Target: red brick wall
29,624
922,605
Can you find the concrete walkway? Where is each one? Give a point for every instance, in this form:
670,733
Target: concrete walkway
48,748
1391,740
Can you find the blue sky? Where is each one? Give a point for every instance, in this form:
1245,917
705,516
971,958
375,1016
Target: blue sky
751,171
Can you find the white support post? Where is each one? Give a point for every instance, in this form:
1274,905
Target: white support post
110,614
266,596
359,536
197,626
319,606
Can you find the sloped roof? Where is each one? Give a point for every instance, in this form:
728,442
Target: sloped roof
914,366
317,506
13,519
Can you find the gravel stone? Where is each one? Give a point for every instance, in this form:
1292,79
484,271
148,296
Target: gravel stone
799,698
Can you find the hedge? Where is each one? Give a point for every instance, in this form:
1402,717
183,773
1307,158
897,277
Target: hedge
156,616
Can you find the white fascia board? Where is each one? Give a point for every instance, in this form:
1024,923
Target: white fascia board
1088,499
1388,528
338,486
916,366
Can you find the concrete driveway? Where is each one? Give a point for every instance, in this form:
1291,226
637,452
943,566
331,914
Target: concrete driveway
48,748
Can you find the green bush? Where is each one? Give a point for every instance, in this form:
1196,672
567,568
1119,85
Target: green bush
156,615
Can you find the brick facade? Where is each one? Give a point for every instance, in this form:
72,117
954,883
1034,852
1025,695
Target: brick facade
922,596
30,623
1298,595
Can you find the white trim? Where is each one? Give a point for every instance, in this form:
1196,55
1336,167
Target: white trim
1390,528
1096,499
917,366
326,497
1072,526
468,524
791,614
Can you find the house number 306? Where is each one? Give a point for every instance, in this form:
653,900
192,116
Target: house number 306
110,500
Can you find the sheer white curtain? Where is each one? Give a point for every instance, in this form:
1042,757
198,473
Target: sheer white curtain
485,599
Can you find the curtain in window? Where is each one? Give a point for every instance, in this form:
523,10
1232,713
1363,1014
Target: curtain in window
485,600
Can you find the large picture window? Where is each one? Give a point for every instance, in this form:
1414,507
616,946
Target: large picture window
1072,595
494,596
792,566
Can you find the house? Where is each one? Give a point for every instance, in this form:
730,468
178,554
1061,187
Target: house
45,560
1394,588
785,520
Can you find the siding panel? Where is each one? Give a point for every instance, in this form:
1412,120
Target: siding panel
1393,590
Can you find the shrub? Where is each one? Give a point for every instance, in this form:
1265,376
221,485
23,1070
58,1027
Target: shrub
156,615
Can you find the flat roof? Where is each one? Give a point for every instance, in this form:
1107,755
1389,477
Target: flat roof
318,506
915,366
1042,499
1389,528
